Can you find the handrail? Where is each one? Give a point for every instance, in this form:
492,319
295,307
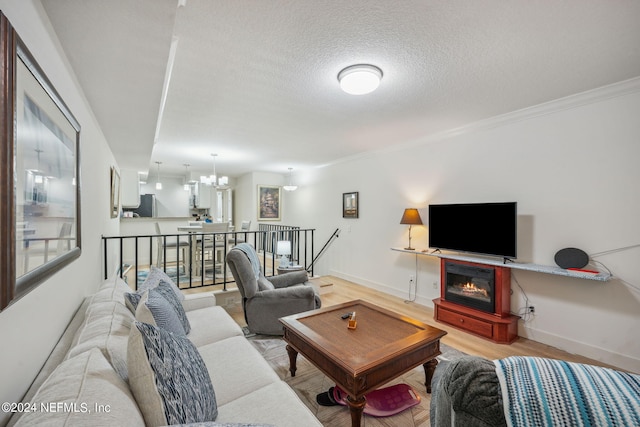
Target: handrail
205,262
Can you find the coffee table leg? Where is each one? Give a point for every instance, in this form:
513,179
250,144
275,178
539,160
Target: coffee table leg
429,368
355,408
293,356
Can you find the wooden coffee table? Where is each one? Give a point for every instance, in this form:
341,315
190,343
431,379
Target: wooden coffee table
383,346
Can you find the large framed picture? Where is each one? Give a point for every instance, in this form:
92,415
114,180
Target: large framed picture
40,168
269,198
115,192
350,205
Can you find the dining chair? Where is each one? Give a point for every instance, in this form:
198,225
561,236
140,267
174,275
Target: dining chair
43,247
179,244
240,236
212,247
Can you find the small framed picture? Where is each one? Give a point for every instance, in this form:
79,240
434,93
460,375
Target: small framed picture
269,203
350,205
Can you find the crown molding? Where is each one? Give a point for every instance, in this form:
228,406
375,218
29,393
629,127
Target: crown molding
592,96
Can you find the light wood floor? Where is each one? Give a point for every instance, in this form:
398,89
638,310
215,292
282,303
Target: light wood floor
343,291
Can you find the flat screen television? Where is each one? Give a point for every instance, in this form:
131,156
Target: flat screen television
482,228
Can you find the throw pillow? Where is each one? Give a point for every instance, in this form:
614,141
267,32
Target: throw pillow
166,290
154,278
155,310
131,300
169,378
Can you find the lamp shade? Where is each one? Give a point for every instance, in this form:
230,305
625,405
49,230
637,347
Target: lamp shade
284,247
411,216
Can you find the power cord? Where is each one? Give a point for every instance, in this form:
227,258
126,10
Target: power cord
415,290
526,313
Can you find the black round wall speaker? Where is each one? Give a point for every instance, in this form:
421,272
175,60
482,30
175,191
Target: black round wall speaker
571,258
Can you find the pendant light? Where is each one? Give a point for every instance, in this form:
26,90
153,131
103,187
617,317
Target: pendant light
290,187
211,179
158,183
186,177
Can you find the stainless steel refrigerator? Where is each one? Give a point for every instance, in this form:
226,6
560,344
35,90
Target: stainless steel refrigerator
147,206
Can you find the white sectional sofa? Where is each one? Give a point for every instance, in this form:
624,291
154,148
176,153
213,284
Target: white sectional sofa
86,380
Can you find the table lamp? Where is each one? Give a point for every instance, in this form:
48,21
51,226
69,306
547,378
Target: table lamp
284,249
411,216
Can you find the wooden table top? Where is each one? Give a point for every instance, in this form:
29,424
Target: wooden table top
381,338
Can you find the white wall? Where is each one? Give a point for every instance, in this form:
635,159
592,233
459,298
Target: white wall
571,165
31,326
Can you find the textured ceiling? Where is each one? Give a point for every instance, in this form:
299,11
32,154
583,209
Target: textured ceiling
255,81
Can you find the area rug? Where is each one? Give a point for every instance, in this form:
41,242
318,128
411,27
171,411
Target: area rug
309,381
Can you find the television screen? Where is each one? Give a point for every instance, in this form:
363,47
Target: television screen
482,228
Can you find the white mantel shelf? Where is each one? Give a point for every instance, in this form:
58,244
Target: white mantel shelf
538,268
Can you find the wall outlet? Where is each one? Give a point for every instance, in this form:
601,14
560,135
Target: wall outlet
531,309
435,285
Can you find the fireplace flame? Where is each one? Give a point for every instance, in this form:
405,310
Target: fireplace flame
470,288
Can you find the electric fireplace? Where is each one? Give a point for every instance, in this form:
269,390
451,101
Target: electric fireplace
476,298
471,286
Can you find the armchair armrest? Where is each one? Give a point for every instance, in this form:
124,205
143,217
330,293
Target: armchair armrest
289,279
281,294
197,301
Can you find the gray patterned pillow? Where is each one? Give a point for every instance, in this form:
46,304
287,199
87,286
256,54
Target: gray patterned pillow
131,300
154,278
171,365
155,310
165,289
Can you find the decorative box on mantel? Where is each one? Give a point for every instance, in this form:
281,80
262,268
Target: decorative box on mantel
477,298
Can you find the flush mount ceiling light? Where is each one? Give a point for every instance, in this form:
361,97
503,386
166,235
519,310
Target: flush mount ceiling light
360,79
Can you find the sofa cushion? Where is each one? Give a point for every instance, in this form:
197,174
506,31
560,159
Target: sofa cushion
166,291
155,310
154,278
277,404
106,327
236,368
211,324
215,424
84,390
112,289
169,378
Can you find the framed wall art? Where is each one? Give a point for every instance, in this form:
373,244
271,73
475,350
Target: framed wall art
350,205
115,192
269,199
40,165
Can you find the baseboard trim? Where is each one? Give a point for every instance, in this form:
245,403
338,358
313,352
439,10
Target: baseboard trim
382,288
583,349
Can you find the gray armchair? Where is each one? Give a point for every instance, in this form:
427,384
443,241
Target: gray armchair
266,300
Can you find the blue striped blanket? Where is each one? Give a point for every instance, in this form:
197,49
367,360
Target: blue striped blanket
545,392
